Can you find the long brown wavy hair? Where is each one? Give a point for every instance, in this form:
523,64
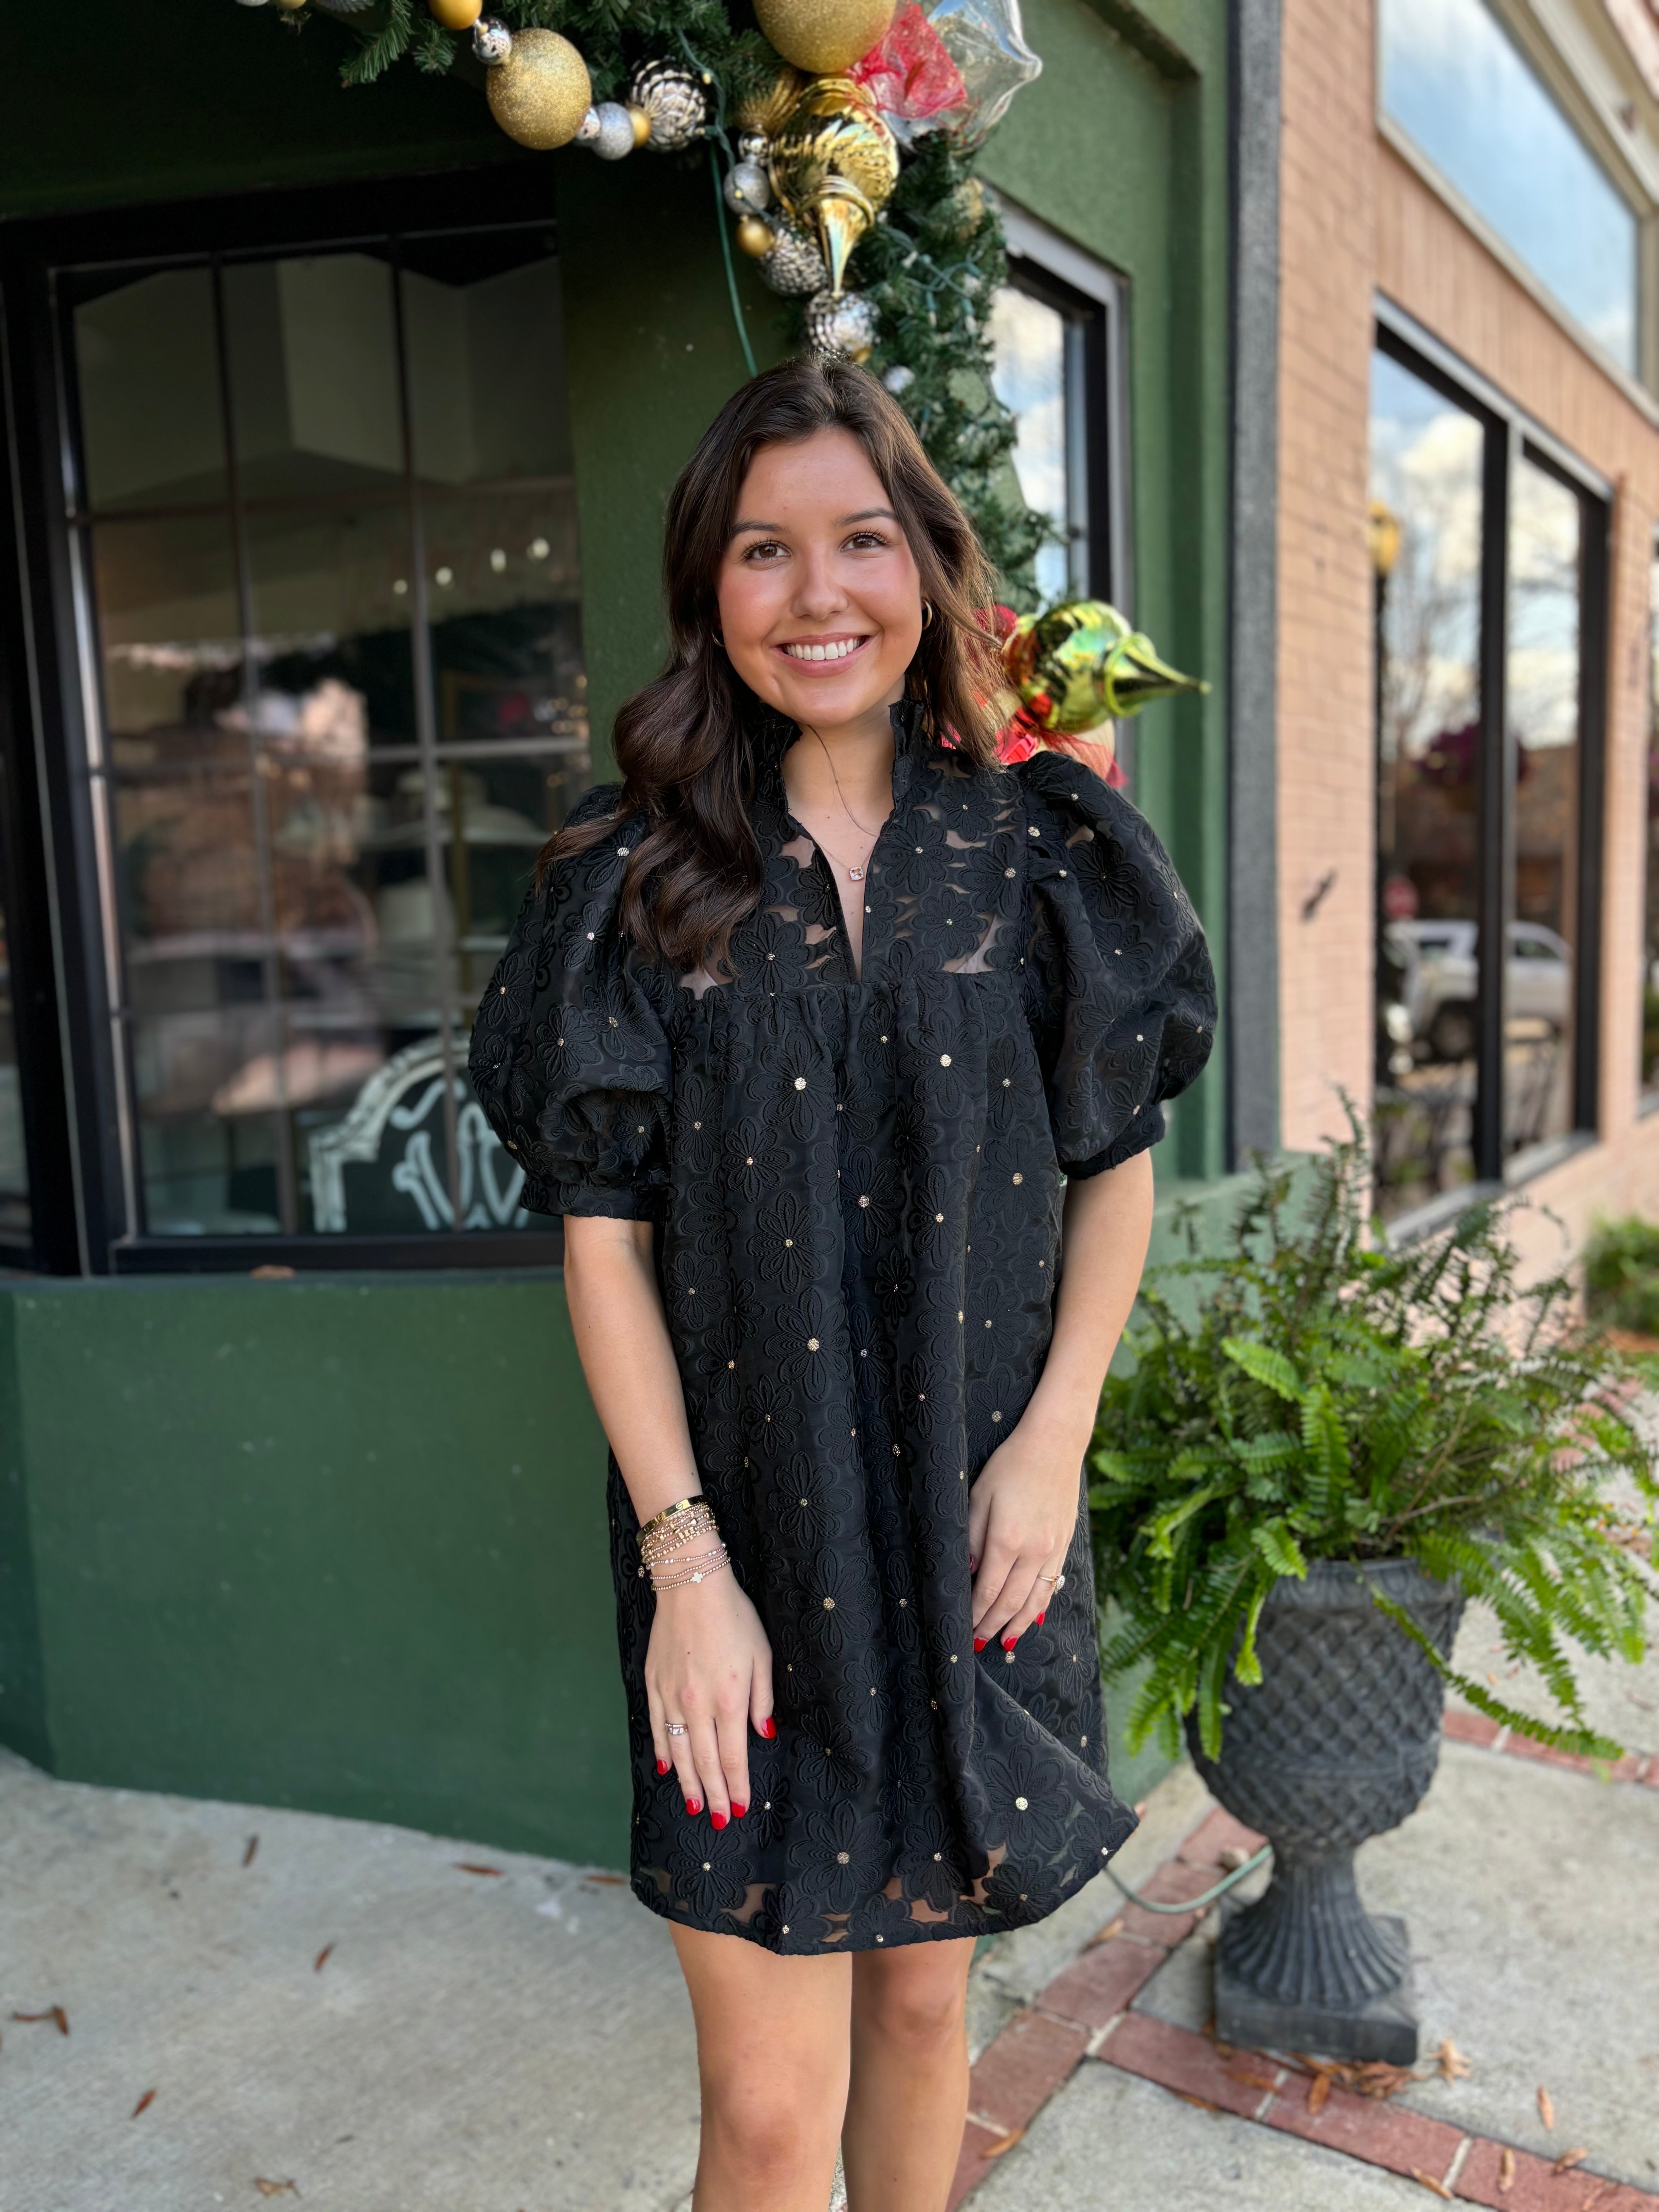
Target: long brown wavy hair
687,744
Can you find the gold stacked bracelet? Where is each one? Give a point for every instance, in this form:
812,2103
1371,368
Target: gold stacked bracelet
682,1544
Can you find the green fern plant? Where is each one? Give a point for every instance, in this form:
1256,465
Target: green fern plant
1311,1395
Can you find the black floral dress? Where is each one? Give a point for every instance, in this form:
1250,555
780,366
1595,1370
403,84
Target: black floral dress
857,1184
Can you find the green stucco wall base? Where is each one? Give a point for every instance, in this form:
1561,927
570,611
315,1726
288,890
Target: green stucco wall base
336,1543
328,1543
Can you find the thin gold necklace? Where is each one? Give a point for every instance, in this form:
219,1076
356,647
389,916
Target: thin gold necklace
855,875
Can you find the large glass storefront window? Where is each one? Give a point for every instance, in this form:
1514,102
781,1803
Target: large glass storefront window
1481,759
1455,80
1427,534
327,527
14,1163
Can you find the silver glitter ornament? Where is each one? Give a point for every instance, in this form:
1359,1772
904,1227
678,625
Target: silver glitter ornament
492,42
588,129
795,266
673,97
748,189
841,324
615,135
898,379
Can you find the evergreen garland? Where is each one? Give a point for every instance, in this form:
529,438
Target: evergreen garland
931,265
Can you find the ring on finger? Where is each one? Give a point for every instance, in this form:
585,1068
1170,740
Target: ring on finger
676,1728
1059,1581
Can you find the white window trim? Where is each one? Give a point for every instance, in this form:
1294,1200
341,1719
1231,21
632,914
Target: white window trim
1502,252
1591,80
1030,238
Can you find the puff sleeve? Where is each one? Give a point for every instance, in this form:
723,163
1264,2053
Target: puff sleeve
1121,990
569,1061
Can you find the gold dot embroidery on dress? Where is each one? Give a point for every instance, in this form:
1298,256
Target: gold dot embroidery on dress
945,1059
829,1605
1019,1178
863,1201
1022,1805
939,1217
996,1417
705,1867
800,1083
843,1858
812,1343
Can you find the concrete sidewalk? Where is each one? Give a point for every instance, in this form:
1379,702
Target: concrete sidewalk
382,2021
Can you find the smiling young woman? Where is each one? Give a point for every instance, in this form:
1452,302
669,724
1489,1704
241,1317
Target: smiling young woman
829,1037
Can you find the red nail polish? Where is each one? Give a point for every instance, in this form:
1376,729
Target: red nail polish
693,1804
768,1728
662,1766
973,1565
1041,1618
718,1819
738,1812
979,1643
1009,1642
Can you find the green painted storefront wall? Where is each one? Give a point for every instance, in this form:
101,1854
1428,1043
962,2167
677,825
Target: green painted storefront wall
334,1543
339,1543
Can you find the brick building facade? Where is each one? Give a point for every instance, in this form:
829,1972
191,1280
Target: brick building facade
1375,237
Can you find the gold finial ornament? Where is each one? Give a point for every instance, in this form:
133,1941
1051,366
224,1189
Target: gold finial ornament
755,237
1081,665
834,163
822,36
541,92
767,110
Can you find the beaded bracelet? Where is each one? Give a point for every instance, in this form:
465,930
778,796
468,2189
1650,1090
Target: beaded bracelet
696,1570
658,1545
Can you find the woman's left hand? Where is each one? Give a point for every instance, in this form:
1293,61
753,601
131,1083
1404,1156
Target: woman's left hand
1022,1515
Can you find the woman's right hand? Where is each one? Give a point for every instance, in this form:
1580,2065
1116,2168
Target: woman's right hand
709,1664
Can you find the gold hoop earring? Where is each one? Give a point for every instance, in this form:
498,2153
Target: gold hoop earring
926,612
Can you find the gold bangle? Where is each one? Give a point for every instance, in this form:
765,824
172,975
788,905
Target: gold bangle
688,1528
659,1520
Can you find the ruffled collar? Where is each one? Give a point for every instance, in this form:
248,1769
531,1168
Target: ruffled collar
775,733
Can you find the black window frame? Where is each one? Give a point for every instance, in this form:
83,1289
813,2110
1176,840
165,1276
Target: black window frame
82,1155
1508,435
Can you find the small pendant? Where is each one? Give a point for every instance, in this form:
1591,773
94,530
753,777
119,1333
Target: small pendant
857,874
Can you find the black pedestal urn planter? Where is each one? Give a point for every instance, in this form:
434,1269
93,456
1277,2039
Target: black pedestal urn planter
1337,1742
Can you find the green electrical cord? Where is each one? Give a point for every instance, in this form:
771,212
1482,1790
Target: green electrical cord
1194,1904
730,273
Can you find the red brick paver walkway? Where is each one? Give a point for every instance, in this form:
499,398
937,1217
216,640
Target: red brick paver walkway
1084,2014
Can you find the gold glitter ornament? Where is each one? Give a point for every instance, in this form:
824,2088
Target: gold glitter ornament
455,15
541,92
834,163
755,237
823,36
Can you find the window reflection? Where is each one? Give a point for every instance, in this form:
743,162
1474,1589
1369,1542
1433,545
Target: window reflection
1031,344
1453,80
320,852
13,1164
1544,549
1427,529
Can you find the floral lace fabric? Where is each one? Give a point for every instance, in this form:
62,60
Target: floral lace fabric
857,1182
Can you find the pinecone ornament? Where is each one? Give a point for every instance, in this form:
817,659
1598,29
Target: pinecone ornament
841,324
674,98
795,266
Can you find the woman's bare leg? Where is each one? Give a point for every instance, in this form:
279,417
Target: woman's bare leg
773,2045
909,2097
